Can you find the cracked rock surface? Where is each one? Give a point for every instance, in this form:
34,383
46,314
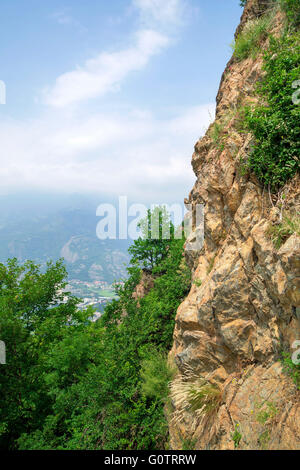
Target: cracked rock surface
233,328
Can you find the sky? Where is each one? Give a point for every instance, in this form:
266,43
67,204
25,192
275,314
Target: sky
109,97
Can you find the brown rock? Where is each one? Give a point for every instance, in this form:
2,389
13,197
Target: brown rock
232,329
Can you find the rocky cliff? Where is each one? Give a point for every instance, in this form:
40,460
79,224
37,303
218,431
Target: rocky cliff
243,309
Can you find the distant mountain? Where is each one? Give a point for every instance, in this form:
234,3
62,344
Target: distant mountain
69,233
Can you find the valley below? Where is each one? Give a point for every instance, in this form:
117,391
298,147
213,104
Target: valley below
94,294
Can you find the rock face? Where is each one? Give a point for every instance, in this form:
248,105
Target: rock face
232,329
144,286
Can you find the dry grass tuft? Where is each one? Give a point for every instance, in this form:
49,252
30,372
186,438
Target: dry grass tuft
281,232
195,395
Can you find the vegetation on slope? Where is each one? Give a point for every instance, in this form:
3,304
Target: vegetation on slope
280,232
291,8
274,120
73,384
249,41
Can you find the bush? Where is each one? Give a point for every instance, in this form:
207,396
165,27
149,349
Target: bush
156,373
281,232
292,10
267,412
275,124
264,438
249,40
204,398
195,395
291,369
236,436
188,444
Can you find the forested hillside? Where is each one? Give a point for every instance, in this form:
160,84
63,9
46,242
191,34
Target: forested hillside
73,384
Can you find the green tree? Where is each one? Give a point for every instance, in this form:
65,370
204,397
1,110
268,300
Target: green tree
157,231
87,385
35,314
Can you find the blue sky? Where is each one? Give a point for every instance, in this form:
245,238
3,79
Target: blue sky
109,97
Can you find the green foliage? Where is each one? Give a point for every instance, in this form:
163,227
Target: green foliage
216,134
291,369
205,397
275,121
292,11
221,130
243,3
236,436
211,264
194,395
197,282
157,230
36,319
264,439
265,417
73,384
249,40
156,373
267,412
281,232
188,444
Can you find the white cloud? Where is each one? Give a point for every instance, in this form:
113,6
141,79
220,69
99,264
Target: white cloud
130,152
65,19
105,72
62,18
161,12
134,153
